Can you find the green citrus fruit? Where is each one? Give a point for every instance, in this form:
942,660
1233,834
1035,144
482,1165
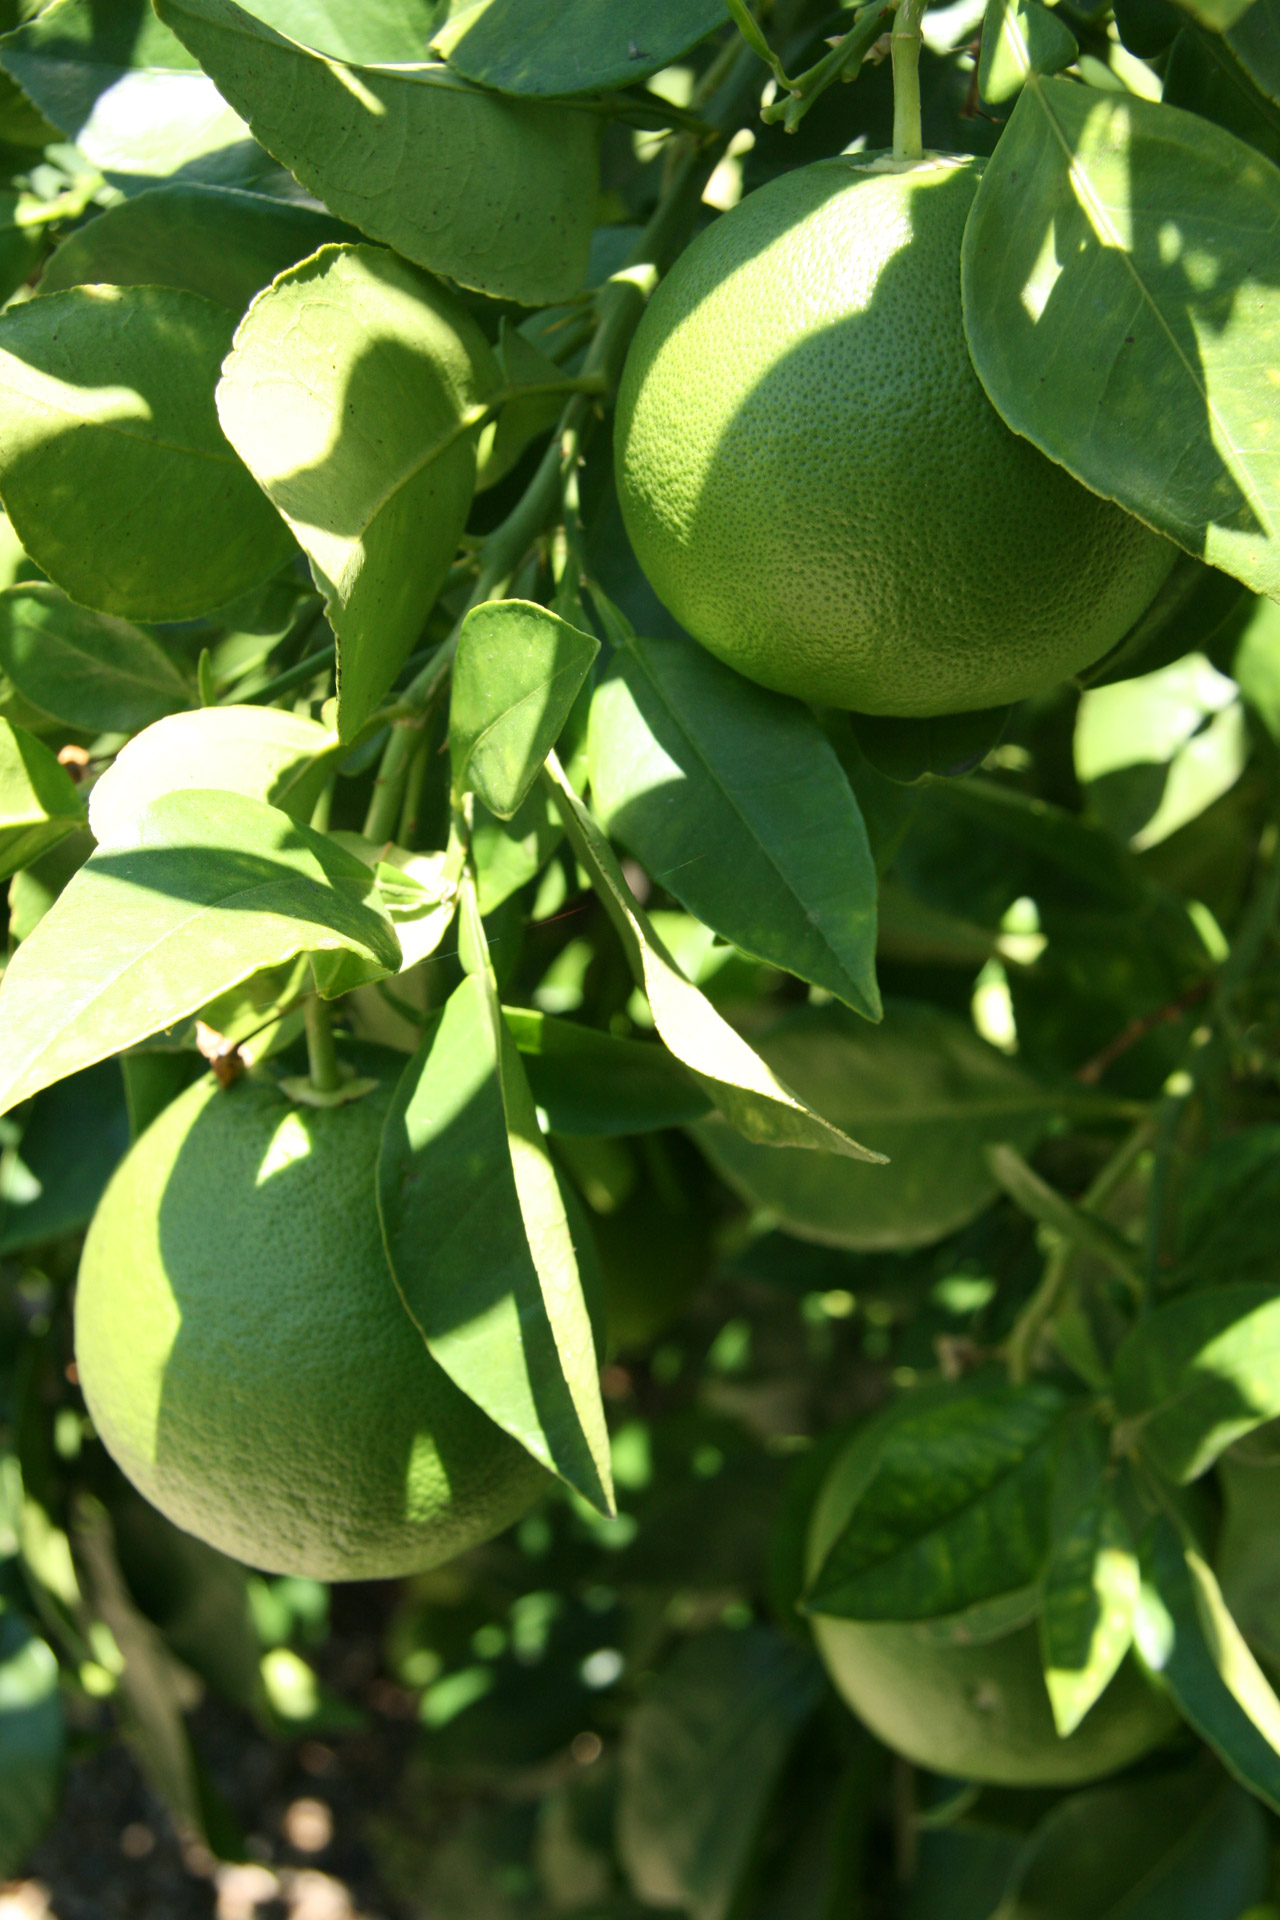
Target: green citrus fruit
818,487
246,1358
966,1695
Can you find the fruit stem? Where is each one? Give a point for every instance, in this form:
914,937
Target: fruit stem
904,44
322,1055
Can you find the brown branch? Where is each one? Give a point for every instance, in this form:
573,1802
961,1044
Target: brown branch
1138,1028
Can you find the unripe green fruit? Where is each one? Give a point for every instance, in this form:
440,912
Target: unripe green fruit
815,482
248,1363
976,1708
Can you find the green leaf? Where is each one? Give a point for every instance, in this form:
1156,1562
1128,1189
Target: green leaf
1081,1229
73,1136
1090,1584
1057,840
499,195
216,241
1153,752
268,755
85,669
923,1088
508,853
1220,15
537,386
1020,37
701,1754
909,751
39,804
480,1246
381,31
415,890
1227,1219
1255,41
123,88
956,1510
1203,74
518,671
32,1738
1199,1373
734,800
1256,664
595,46
205,890
1135,245
588,1082
1183,1845
351,395
1189,1642
113,468
745,1089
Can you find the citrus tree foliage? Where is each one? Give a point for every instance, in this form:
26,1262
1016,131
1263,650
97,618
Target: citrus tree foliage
841,1151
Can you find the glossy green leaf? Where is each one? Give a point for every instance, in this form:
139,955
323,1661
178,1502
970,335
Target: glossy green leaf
1020,37
1090,1583
32,1739
701,1753
588,1082
415,890
734,800
1191,1645
1153,752
909,751
39,804
203,891
497,194
261,752
923,1089
518,671
955,1512
216,241
480,1245
1138,247
85,669
380,31
1204,75
744,1088
1221,15
1183,1845
1199,1373
589,46
1255,42
351,395
1229,1206
1064,847
123,88
113,468
508,853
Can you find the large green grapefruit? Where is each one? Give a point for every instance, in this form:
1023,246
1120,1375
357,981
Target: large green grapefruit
247,1361
815,482
965,1699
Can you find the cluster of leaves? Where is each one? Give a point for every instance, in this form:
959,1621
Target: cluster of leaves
318,629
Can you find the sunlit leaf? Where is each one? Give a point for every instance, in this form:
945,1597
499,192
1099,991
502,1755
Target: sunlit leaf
497,194
351,395
734,800
203,891
39,804
1121,276
518,671
113,468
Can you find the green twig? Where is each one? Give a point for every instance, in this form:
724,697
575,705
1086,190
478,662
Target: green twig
1045,1204
322,1056
1024,1336
905,47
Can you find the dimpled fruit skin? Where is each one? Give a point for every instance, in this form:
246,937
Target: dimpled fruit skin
978,1710
248,1363
817,486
